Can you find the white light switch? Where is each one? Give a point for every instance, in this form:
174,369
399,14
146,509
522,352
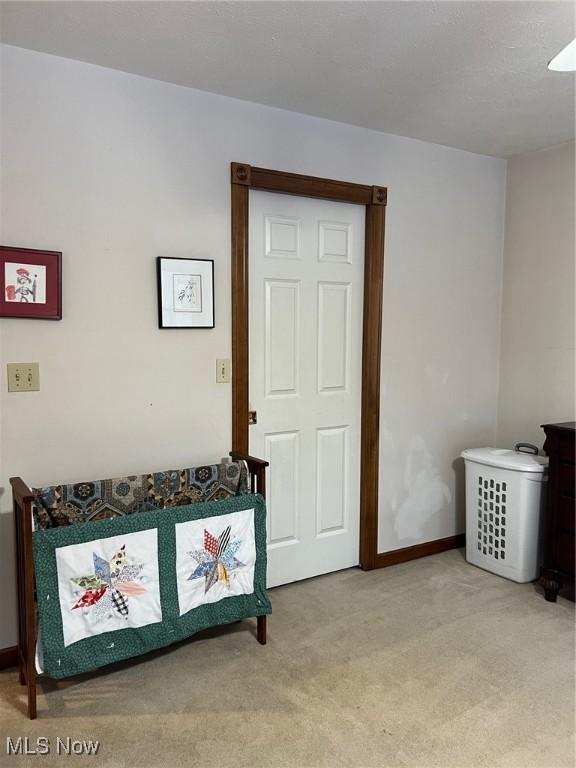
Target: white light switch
223,371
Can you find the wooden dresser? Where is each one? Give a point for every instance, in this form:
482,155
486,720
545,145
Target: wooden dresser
558,568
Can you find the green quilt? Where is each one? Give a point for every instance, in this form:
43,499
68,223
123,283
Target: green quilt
115,589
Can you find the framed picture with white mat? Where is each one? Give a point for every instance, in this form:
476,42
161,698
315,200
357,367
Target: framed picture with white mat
185,292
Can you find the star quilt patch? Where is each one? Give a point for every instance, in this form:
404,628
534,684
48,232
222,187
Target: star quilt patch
215,559
108,584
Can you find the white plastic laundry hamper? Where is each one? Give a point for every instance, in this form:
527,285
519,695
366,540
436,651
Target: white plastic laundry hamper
503,510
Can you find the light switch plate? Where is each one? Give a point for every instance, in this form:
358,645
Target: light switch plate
223,371
23,377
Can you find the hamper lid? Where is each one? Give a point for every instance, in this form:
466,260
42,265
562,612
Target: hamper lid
506,459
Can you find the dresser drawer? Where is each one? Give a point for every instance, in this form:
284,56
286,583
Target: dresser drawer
560,514
566,447
565,552
566,479
566,514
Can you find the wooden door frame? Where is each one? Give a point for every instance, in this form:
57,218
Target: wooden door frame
244,178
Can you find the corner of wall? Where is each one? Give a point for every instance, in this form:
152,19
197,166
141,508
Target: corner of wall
496,429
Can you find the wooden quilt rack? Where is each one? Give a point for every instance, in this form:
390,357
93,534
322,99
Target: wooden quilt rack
23,501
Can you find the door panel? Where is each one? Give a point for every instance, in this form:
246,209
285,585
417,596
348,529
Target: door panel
331,480
333,330
282,449
306,288
282,328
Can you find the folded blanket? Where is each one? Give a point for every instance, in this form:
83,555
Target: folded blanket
92,500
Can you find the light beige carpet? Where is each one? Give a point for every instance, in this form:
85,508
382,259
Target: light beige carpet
430,663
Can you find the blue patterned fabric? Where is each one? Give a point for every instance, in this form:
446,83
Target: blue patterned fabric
62,505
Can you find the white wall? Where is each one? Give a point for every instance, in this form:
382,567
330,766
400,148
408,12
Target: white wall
114,170
537,360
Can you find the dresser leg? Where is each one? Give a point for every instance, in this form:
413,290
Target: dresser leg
550,581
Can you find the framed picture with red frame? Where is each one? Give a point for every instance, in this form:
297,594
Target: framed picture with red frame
30,283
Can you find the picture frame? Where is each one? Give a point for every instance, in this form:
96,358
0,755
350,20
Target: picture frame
30,283
185,292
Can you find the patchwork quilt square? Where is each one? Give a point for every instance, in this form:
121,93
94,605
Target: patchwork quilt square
215,559
108,584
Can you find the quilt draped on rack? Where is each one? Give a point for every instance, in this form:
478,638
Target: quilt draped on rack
128,585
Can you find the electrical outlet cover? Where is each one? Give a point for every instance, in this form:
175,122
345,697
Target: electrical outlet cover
23,377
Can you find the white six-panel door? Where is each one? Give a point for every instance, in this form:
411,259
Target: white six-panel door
306,288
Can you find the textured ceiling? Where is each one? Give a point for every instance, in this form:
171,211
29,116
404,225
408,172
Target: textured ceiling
466,74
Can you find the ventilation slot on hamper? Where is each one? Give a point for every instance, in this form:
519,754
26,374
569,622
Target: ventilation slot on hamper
492,518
